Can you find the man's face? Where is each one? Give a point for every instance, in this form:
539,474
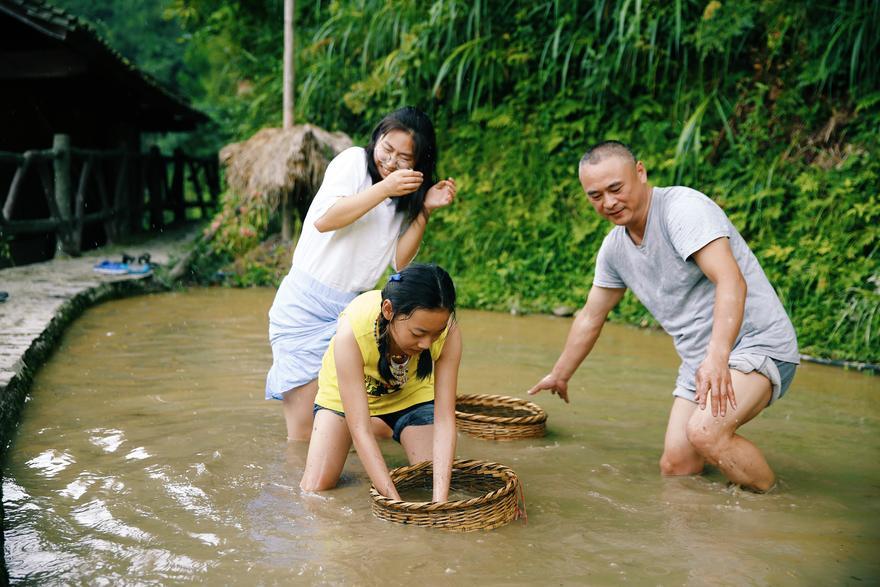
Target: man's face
617,189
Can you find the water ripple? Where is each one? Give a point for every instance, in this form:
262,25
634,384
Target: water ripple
96,515
107,439
137,454
51,462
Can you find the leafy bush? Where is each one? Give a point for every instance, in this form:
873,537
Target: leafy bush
770,108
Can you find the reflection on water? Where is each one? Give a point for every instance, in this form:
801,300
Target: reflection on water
147,455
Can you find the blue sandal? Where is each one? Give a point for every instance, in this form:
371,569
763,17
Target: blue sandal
144,267
106,267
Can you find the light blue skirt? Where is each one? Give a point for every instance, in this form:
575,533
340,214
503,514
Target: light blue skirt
302,321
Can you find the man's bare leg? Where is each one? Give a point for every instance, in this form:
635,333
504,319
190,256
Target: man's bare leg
715,438
679,455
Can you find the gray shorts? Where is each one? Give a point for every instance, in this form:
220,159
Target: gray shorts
418,415
779,373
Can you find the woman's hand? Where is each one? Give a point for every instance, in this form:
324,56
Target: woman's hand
402,182
440,195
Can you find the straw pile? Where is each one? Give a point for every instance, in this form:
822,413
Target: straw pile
278,161
497,504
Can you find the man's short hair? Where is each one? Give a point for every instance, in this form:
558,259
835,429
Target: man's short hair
605,149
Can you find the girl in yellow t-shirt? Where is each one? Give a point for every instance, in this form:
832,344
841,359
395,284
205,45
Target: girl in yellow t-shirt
395,356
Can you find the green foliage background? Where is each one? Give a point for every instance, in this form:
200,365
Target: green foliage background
771,107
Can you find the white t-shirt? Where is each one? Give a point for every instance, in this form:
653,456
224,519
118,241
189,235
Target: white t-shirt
353,258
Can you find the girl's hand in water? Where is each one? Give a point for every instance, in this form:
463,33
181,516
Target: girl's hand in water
402,182
440,195
390,491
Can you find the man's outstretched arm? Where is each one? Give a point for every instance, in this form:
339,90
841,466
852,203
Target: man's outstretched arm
583,334
717,262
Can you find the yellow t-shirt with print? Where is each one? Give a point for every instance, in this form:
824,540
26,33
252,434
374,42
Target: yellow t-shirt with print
382,397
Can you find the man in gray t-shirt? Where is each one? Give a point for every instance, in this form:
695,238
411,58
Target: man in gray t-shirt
681,256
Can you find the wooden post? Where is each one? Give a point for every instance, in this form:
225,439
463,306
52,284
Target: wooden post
193,165
139,190
17,181
107,206
80,205
122,197
289,70
61,166
212,179
178,202
287,107
156,178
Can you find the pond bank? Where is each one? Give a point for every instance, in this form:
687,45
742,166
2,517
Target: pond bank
45,297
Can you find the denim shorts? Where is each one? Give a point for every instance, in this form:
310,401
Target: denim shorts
780,374
416,415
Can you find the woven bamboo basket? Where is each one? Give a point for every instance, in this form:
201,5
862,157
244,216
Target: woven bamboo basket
499,417
497,504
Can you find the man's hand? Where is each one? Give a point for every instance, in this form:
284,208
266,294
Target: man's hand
554,384
713,377
717,262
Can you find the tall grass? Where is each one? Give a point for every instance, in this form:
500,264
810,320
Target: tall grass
729,97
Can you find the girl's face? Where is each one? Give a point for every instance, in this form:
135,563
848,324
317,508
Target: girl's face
417,332
394,150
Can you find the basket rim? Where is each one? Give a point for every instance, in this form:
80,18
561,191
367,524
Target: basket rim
538,414
511,482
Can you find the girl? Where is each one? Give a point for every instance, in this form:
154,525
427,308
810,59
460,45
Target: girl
371,210
395,356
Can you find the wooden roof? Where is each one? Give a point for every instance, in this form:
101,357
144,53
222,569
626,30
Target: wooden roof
46,51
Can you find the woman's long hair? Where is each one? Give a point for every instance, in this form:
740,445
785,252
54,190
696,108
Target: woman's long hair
417,124
418,287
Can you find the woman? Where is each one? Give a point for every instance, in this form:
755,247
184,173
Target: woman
371,211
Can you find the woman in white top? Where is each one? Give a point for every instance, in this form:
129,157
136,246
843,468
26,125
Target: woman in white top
371,211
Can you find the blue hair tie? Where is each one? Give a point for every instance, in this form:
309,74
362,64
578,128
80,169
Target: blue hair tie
396,277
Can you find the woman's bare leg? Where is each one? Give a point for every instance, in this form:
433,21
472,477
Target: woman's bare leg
298,404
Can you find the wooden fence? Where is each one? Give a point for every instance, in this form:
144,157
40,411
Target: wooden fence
120,189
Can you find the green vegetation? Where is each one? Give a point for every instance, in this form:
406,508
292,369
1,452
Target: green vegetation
772,108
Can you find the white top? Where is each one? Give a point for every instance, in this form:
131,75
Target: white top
353,258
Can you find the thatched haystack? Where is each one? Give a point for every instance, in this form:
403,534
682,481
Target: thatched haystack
276,161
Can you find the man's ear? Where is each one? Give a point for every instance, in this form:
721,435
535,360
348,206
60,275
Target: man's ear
387,310
641,172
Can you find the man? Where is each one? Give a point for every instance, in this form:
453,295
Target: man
684,260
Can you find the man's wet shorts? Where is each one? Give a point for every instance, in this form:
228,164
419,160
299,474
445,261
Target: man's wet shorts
417,415
779,373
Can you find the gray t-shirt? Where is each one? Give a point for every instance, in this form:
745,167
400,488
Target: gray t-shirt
661,273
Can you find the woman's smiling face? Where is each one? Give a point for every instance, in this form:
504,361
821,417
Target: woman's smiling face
394,150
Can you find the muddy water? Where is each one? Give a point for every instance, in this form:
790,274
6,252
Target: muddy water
147,455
